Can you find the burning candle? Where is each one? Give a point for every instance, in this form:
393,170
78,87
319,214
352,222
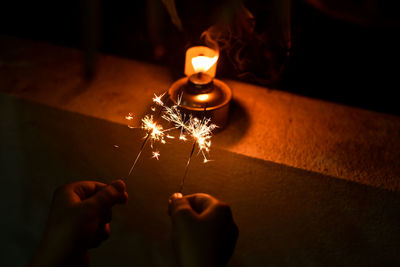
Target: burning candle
202,94
201,59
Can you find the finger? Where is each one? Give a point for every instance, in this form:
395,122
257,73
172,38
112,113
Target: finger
201,202
179,207
173,197
102,234
110,195
219,210
106,216
119,185
81,190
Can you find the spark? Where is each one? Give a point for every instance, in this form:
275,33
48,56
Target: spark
129,117
116,146
157,99
156,154
200,131
155,130
153,109
197,129
173,114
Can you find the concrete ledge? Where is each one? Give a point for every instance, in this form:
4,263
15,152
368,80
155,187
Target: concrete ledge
340,141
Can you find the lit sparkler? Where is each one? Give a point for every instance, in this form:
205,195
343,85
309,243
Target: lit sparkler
155,132
199,130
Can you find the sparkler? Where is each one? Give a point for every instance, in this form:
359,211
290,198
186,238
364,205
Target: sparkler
155,132
199,130
189,126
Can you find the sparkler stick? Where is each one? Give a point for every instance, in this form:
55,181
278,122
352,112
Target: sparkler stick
139,153
189,159
187,168
199,130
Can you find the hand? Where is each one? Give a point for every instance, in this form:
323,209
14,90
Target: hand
79,219
204,232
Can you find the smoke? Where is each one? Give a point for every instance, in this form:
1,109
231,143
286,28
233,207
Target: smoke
255,56
230,36
249,54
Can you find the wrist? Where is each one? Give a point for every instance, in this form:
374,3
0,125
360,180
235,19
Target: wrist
57,249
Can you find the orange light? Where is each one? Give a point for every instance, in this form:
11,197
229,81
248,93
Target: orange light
201,59
202,97
202,63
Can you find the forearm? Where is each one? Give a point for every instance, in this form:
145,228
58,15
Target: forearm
55,251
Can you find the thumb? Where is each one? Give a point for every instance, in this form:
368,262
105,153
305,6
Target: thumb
179,207
114,193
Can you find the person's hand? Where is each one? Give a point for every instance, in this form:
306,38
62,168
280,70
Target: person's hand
204,232
79,219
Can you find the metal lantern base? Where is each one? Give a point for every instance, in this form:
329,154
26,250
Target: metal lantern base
203,96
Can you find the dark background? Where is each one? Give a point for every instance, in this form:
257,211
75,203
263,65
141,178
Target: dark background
345,59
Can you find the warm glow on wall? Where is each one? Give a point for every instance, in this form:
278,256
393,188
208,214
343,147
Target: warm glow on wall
202,97
201,59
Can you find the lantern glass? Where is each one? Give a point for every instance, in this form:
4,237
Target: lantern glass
201,59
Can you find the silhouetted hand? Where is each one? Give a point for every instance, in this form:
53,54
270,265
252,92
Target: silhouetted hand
204,232
79,219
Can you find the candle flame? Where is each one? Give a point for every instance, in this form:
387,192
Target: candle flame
203,63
